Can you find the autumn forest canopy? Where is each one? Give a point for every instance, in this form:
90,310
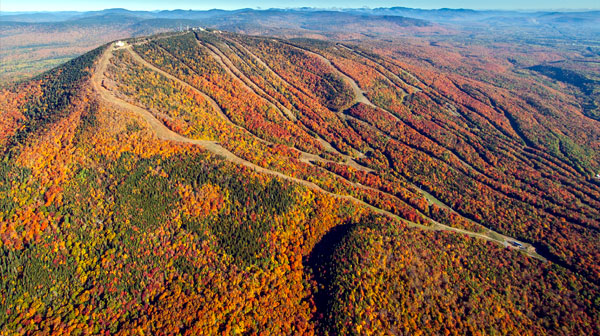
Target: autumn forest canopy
422,179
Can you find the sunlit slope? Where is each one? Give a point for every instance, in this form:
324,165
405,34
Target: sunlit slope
218,183
397,130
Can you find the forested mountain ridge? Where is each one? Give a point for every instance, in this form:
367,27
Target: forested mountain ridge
212,182
34,42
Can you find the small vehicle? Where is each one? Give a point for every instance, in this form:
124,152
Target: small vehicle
516,244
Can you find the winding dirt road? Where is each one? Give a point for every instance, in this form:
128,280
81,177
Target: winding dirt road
212,102
304,156
359,94
391,74
234,72
163,133
348,160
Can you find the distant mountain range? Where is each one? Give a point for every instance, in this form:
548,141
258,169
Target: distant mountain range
435,15
36,41
311,19
255,21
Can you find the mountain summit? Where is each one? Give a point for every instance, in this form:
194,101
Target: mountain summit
204,181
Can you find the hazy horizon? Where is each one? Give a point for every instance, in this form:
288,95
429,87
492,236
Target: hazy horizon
15,6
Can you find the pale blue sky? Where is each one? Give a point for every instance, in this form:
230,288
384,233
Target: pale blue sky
84,5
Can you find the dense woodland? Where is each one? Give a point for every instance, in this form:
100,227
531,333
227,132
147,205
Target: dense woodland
354,160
